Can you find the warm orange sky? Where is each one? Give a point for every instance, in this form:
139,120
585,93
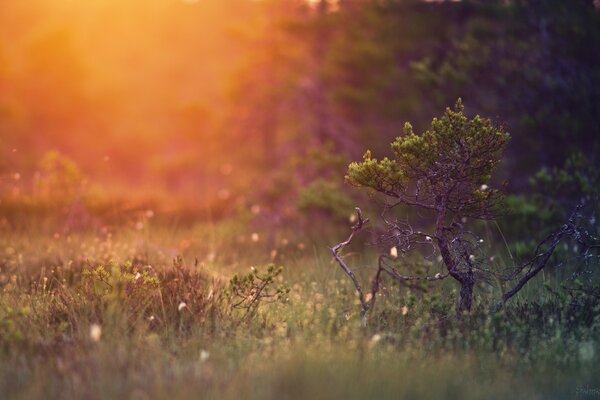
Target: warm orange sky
151,92
102,73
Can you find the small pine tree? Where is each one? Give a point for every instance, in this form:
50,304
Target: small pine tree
447,171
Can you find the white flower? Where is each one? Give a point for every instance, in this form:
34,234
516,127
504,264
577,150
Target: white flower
204,355
472,257
95,332
484,187
480,240
181,306
137,276
587,350
394,252
404,310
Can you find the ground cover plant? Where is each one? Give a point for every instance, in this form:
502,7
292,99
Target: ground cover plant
187,210
154,327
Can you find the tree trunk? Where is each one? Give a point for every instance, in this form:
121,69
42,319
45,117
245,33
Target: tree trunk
465,278
467,282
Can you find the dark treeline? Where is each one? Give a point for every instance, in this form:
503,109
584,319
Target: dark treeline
530,65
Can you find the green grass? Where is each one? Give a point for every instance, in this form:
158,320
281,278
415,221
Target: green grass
308,347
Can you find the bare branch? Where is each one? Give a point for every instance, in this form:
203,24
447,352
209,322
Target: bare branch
335,250
540,259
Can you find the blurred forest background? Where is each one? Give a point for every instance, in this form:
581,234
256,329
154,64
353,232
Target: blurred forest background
209,108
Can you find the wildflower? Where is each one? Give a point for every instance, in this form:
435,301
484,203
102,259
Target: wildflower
254,237
368,297
587,351
204,355
137,276
438,276
472,257
352,218
394,252
181,306
95,332
404,310
480,240
484,187
428,238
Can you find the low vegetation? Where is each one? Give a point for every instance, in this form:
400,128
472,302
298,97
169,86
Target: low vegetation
147,325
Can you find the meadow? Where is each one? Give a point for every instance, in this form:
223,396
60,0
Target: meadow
145,313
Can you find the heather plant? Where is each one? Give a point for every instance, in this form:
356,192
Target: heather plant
248,291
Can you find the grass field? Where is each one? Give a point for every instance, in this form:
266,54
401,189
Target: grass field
156,321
